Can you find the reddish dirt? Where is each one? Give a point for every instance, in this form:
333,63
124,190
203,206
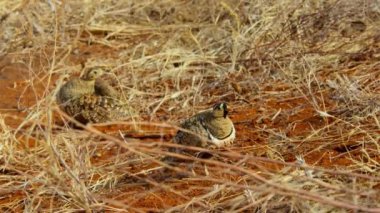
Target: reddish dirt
300,118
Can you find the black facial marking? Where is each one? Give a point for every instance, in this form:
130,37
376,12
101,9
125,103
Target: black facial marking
225,110
222,106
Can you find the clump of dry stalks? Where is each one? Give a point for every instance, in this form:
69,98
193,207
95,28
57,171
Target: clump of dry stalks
302,78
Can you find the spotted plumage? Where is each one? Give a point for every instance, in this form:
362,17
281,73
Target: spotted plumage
90,99
95,109
208,129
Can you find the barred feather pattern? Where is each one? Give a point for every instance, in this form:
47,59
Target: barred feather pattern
90,99
95,109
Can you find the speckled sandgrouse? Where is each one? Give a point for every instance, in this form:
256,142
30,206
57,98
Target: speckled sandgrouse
90,99
208,129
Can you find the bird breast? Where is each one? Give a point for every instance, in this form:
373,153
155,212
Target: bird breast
74,89
221,131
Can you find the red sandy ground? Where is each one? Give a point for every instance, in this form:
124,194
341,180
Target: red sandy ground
16,95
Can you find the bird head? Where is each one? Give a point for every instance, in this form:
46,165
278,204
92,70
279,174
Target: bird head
93,73
220,110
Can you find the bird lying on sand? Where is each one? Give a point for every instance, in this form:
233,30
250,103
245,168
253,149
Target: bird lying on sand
90,99
208,129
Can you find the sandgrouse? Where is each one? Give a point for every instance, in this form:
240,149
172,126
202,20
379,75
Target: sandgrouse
89,99
208,129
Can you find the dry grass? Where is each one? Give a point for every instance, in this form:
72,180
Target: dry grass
301,77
